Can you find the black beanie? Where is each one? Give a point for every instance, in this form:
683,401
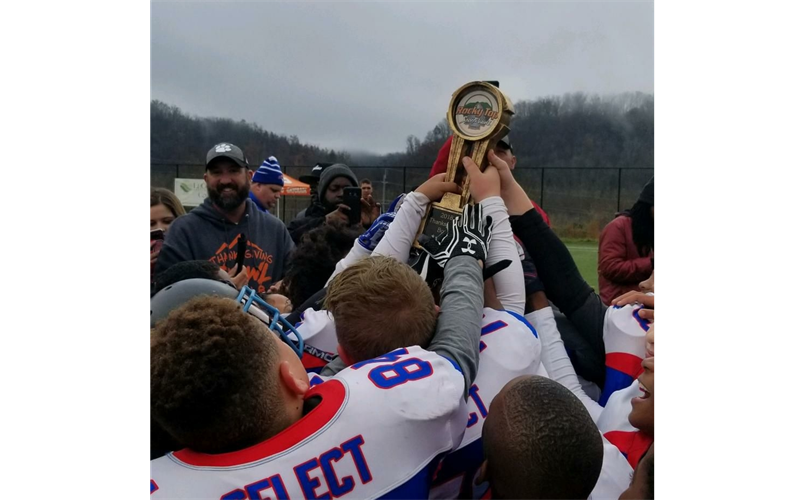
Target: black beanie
333,171
647,195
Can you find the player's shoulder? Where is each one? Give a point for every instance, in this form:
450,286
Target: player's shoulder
494,320
418,380
317,329
626,319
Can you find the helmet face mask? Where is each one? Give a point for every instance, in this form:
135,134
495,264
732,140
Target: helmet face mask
173,296
271,316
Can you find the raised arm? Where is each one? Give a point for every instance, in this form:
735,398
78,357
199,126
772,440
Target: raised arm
508,283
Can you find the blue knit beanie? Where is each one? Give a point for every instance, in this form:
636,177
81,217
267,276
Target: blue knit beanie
269,172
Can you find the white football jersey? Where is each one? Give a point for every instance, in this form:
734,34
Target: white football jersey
509,348
614,477
625,346
614,424
317,329
380,430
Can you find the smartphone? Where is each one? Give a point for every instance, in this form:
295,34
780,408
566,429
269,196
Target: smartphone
156,246
241,253
352,199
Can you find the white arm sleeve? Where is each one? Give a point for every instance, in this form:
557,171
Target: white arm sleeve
615,474
509,283
356,254
555,359
399,237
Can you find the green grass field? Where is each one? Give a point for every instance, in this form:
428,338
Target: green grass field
585,253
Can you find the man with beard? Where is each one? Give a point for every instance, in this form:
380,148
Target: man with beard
229,223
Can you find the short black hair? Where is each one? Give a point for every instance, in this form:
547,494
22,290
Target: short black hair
366,181
642,227
540,442
185,270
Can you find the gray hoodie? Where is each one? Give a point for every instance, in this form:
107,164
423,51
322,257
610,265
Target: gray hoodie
205,234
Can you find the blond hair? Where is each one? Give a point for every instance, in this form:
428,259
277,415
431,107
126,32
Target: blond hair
380,305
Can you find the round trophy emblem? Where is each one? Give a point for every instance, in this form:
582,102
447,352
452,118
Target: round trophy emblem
476,112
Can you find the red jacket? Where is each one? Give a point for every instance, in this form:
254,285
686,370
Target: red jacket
620,267
440,167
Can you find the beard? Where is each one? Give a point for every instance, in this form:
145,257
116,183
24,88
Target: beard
331,205
231,200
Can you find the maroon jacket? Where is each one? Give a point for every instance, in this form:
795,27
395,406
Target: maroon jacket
620,267
440,167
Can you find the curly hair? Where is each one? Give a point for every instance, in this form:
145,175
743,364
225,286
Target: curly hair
212,387
159,440
314,260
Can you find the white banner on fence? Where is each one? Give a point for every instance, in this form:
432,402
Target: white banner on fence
191,192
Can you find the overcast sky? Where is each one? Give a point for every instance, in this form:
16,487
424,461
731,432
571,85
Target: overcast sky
363,76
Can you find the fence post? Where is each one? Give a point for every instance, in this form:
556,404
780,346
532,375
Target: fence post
405,177
620,169
542,187
284,199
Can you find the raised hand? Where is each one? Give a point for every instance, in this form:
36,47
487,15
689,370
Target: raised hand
484,184
435,187
468,234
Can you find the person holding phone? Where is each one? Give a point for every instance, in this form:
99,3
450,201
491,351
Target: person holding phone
334,203
165,208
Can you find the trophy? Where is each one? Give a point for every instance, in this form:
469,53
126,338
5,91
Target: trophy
479,116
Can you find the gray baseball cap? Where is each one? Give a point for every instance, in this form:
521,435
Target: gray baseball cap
227,150
505,142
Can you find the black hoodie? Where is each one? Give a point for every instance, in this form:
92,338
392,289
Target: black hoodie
206,234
